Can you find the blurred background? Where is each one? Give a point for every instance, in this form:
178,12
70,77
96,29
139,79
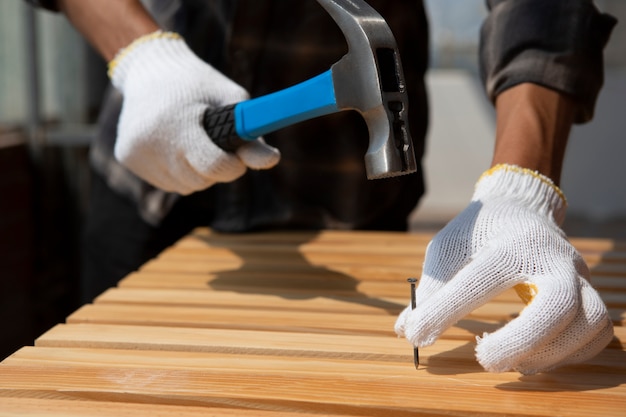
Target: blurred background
51,84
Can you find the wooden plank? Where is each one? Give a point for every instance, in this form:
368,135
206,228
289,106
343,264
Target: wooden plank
266,254
336,254
354,247
260,282
299,321
355,347
265,281
203,265
294,237
253,280
55,404
199,276
598,244
224,318
327,253
329,298
503,307
608,283
604,268
293,319
292,301
458,354
328,385
275,342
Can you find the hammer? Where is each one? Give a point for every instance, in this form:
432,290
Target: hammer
368,79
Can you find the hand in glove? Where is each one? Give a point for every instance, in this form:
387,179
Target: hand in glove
160,136
509,236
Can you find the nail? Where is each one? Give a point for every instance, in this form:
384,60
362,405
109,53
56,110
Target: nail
416,352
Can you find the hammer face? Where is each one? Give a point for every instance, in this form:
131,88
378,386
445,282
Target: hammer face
370,80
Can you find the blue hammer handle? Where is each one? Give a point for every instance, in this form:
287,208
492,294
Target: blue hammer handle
231,126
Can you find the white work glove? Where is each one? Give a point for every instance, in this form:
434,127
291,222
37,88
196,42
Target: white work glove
160,136
509,236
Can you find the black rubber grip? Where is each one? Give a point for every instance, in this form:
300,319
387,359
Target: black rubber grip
219,124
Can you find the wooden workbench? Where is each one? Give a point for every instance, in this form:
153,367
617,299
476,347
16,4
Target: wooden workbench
295,324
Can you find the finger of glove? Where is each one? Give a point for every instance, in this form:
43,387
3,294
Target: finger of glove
183,178
601,338
437,269
185,161
258,155
587,334
401,321
224,91
472,287
211,163
163,168
448,252
597,344
553,308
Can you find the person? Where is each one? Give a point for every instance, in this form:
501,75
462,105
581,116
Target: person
157,174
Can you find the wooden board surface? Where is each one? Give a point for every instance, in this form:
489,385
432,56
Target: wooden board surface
295,324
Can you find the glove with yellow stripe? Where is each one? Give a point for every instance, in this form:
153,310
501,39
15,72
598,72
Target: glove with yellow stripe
160,136
509,236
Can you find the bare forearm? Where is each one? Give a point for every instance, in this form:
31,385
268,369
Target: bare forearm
532,128
108,25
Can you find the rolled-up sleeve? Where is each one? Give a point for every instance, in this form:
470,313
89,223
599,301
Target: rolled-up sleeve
46,4
554,43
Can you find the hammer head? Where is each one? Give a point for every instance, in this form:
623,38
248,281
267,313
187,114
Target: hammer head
370,80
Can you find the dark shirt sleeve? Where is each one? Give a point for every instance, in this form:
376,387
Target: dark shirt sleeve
46,4
557,44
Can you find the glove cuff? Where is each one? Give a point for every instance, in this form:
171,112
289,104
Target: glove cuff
532,188
118,67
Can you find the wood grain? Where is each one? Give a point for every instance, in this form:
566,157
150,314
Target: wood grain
291,324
